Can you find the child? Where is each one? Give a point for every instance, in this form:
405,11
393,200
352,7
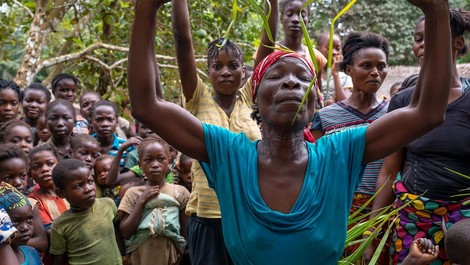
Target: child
18,133
422,252
13,167
60,119
35,100
20,211
102,166
114,181
152,215
104,115
86,149
183,168
457,242
339,84
13,172
87,99
43,133
85,233
10,96
43,159
132,158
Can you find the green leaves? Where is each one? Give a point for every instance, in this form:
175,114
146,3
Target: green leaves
309,42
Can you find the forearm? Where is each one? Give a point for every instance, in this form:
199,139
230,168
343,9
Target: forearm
142,71
390,167
432,90
130,222
339,91
264,51
183,221
112,176
7,254
184,47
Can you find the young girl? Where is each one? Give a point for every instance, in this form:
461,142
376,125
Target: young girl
35,100
18,133
21,213
43,159
104,115
10,97
86,149
66,86
60,118
13,172
152,215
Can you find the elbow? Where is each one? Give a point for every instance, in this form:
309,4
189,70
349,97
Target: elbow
435,121
432,122
137,113
124,233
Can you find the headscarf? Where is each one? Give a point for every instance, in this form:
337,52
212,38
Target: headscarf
11,198
263,66
7,230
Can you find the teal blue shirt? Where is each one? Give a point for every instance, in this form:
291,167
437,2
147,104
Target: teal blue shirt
314,231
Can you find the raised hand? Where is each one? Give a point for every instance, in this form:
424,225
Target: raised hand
426,5
131,141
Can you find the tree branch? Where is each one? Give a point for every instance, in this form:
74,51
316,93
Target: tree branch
25,8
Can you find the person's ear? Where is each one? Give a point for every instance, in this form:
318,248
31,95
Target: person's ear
60,193
458,43
348,69
243,72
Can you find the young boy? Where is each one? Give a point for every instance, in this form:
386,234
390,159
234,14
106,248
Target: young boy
85,233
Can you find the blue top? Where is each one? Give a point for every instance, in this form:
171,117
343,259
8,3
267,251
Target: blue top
315,229
117,142
31,256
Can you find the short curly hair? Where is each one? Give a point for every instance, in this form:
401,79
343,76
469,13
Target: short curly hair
7,84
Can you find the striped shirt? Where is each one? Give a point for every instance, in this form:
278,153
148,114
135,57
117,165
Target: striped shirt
338,117
50,207
203,200
117,142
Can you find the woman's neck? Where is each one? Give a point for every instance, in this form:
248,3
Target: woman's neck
294,44
226,102
282,145
363,102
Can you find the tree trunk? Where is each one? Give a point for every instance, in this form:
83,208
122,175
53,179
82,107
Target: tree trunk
40,29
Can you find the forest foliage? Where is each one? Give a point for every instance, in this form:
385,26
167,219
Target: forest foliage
89,38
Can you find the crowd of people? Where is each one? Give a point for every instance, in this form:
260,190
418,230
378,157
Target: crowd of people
245,172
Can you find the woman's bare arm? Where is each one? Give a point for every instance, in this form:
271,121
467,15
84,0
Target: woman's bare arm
426,110
184,47
264,51
177,126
